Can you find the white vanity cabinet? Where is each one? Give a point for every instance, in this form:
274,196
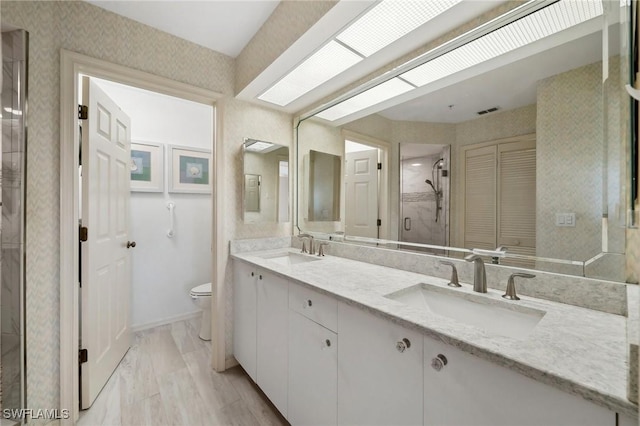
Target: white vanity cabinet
313,357
469,390
244,316
313,371
260,329
380,370
272,337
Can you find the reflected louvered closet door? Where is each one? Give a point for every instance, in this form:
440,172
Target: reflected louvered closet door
480,198
517,199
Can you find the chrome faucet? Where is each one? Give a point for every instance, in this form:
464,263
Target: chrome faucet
479,275
304,247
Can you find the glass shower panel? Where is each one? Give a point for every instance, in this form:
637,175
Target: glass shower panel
14,88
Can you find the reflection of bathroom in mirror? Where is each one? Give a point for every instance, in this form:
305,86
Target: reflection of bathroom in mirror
324,177
548,89
424,194
266,182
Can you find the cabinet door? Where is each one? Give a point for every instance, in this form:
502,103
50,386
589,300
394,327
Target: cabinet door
379,382
471,391
244,316
272,342
313,370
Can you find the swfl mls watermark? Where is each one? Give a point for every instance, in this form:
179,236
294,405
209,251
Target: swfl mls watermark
35,414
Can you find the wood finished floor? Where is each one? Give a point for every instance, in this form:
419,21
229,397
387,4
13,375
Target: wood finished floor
166,379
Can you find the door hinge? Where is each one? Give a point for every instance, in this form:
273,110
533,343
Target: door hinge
83,356
379,166
379,222
84,233
83,112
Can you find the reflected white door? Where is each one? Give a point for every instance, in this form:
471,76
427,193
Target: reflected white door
361,181
106,261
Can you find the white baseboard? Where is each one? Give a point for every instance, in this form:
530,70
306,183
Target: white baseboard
163,321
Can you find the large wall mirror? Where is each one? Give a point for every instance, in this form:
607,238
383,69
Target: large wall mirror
516,138
266,182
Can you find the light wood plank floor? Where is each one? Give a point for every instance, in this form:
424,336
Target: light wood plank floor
166,379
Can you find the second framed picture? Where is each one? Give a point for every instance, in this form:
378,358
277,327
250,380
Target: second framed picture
147,167
189,170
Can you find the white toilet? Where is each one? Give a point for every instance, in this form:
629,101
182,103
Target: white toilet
201,296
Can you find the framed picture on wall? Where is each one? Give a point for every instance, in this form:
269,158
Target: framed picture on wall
190,170
147,167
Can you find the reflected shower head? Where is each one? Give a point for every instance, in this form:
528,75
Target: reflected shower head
431,185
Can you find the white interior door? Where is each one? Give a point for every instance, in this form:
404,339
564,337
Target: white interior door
106,263
361,181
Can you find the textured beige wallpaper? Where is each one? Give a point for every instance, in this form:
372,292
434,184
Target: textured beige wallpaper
287,23
569,155
84,28
244,120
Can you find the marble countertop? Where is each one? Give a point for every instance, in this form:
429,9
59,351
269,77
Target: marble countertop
577,350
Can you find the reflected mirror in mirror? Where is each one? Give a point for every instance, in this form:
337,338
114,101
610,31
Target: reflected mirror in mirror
537,140
266,182
324,186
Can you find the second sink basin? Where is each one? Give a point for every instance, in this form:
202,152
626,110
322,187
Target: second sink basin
494,316
289,259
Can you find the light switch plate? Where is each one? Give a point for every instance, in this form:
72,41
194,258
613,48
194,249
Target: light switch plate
566,219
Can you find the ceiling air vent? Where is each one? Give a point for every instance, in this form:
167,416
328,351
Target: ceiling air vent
487,111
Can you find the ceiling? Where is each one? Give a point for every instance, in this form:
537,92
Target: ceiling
227,26
223,26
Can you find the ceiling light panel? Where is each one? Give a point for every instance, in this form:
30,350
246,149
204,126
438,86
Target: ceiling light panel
388,21
534,27
326,63
380,93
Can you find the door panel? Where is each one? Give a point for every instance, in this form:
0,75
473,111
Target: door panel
106,265
361,181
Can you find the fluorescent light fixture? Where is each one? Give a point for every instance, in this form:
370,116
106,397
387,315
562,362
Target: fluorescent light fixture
380,93
382,25
323,65
257,146
531,28
548,21
388,21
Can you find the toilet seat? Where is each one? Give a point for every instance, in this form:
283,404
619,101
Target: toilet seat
201,290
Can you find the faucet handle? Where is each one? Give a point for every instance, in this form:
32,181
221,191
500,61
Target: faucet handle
304,238
321,244
511,285
453,282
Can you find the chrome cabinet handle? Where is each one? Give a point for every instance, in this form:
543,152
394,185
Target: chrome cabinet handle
131,244
403,345
407,224
439,362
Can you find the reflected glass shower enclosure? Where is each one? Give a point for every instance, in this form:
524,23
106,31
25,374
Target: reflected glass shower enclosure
424,194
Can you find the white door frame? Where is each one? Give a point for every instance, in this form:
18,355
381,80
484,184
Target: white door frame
71,66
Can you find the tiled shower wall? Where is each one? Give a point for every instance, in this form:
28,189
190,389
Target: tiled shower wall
419,202
11,241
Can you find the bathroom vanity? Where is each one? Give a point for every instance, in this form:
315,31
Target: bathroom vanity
332,340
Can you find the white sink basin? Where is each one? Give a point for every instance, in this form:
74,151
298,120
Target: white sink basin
494,316
289,259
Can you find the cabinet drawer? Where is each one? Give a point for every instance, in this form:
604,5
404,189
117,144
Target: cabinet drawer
317,307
